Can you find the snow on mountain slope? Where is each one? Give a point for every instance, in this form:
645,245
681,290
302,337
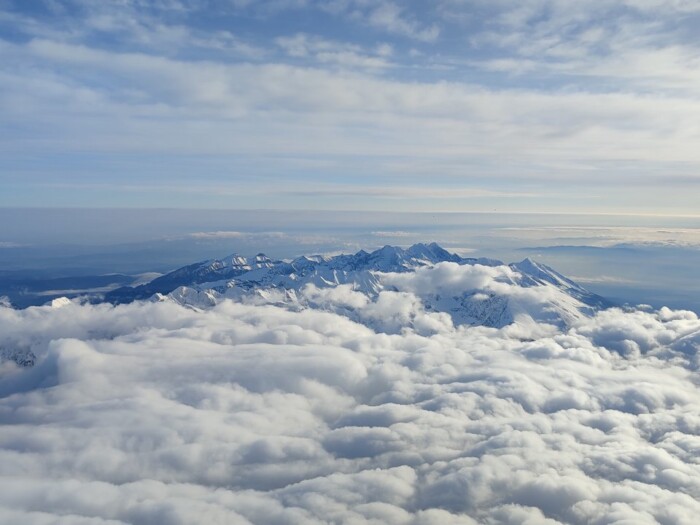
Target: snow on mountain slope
469,291
205,271
322,271
534,274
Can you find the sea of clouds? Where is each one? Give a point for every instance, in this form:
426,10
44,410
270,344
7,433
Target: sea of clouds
155,413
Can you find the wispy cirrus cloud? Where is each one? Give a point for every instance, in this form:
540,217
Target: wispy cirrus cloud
617,45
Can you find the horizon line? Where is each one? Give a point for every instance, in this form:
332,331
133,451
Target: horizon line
387,212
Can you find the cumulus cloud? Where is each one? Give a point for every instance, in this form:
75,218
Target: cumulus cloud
243,413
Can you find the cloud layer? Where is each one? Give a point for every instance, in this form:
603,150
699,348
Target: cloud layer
531,105
153,413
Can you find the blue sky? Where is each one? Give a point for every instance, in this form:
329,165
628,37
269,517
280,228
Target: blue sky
450,105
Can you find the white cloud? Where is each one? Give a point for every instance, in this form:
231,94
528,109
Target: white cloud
326,51
219,235
389,16
607,235
237,235
239,104
155,413
624,46
580,95
604,279
404,191
392,234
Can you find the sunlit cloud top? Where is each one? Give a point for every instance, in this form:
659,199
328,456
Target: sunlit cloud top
459,105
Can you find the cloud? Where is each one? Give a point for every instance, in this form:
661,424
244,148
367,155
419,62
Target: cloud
389,16
252,241
242,413
607,236
392,234
219,235
346,55
235,235
393,192
464,120
605,279
599,93
385,16
637,46
580,97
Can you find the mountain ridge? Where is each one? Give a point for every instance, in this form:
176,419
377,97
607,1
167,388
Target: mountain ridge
483,292
388,259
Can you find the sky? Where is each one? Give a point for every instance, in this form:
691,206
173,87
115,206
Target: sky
450,105
140,135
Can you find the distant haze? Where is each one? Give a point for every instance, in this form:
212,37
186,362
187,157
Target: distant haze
636,259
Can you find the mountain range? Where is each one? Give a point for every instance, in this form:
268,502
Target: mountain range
481,291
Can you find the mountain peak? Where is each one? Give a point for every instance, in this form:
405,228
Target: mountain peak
388,250
529,262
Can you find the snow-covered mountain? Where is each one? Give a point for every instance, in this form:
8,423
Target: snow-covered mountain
470,291
262,271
